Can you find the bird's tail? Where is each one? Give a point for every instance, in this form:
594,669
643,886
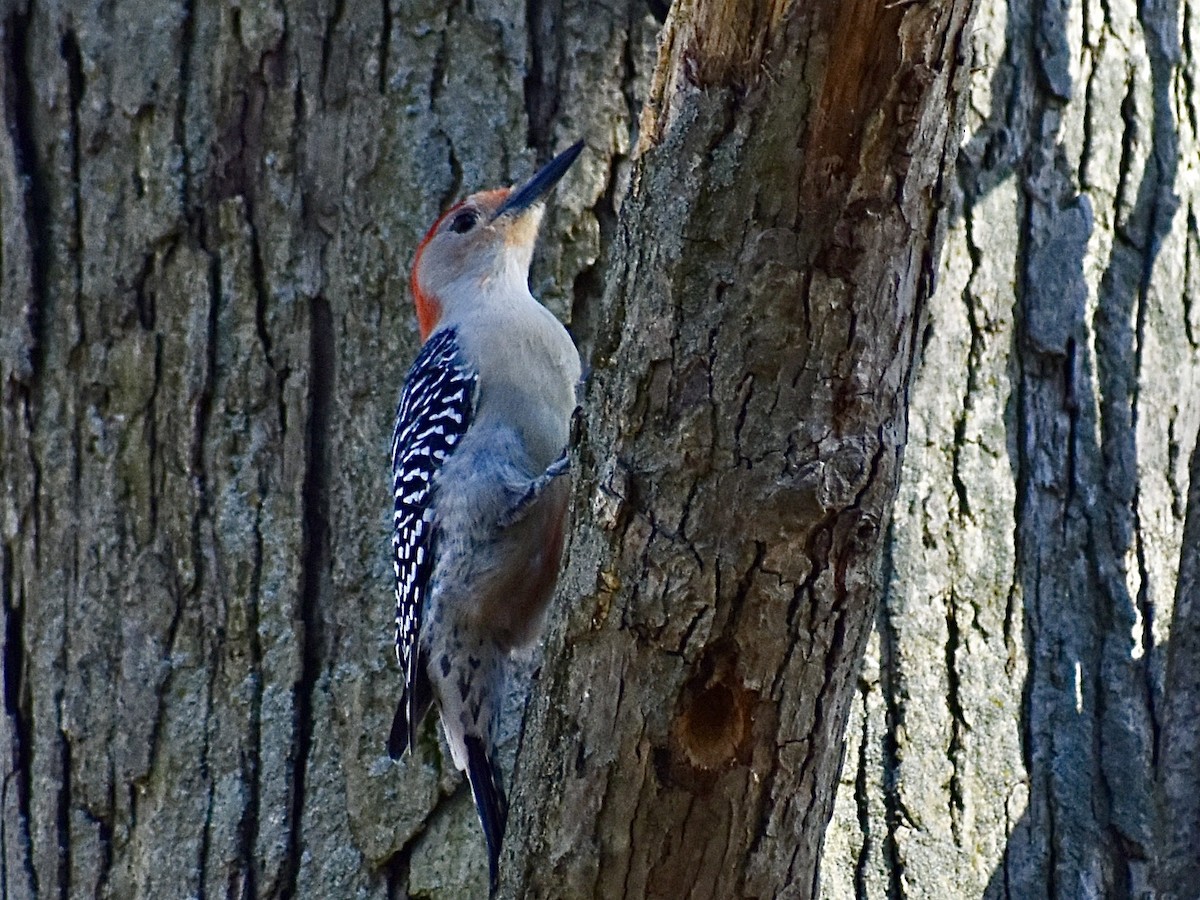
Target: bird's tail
490,801
399,739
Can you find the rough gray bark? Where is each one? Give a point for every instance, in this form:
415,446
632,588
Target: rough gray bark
1009,731
744,431
208,211
1177,862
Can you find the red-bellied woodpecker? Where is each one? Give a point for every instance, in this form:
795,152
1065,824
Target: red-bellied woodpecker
478,472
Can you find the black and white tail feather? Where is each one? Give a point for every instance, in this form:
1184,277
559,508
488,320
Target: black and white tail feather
492,805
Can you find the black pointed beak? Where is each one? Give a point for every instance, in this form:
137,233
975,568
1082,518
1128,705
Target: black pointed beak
540,184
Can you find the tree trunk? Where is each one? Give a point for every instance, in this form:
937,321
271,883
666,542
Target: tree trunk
1177,864
744,432
207,213
1016,709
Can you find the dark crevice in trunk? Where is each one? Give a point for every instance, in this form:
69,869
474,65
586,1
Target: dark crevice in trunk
437,78
534,89
187,39
396,869
385,45
63,817
1191,275
456,178
741,592
206,832
104,836
181,600
262,294
35,471
143,297
155,478
543,73
956,462
213,668
957,748
1129,141
315,567
437,73
1070,380
974,362
587,291
202,413
335,18
862,803
659,9
201,532
248,827
20,102
69,48
1029,375
17,703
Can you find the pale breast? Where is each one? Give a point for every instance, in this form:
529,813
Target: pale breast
528,368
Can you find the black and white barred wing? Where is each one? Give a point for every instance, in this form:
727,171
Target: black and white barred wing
434,414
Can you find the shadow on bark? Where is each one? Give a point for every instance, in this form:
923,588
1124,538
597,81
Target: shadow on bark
1091,719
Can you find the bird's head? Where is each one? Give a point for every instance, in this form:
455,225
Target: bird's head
482,244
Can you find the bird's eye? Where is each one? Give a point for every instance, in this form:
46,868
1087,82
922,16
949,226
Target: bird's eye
464,221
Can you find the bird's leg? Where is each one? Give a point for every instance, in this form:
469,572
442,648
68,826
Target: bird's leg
520,509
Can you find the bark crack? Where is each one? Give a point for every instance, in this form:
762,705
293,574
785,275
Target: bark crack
251,774
540,104
632,837
315,568
20,102
187,40
956,750
202,540
437,73
63,813
69,50
206,776
1186,72
385,45
1191,275
891,688
862,799
17,703
331,25
262,294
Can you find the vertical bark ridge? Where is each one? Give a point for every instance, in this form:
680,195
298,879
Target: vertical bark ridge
784,277
1066,431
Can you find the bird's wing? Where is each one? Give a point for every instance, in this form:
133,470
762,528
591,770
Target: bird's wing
433,415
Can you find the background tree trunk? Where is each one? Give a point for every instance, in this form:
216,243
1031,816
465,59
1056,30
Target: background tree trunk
1017,706
209,210
207,213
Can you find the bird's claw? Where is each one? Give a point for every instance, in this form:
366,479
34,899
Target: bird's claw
525,502
556,468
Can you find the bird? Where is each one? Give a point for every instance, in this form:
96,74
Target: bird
479,476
